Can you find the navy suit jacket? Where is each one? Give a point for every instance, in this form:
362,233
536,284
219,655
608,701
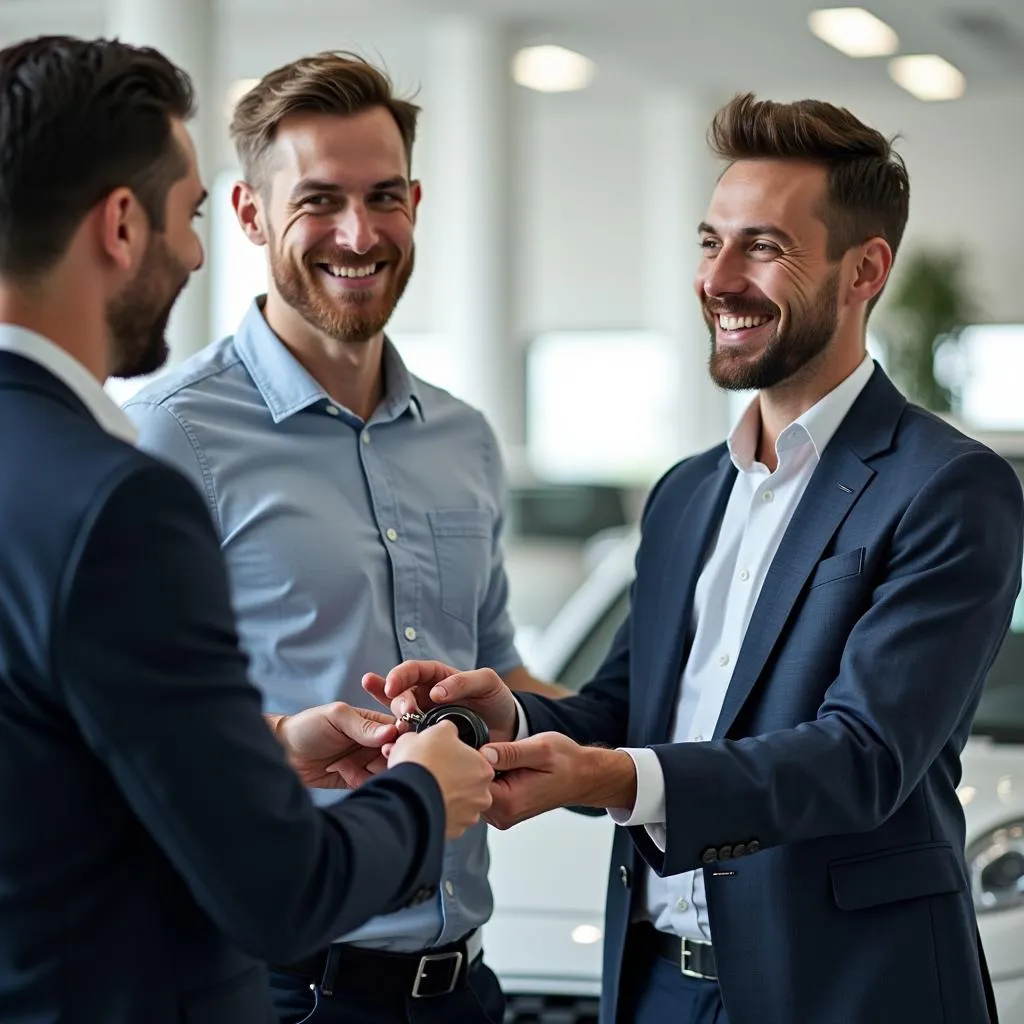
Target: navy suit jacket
824,810
155,844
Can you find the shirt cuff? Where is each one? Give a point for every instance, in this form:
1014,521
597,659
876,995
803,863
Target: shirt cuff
649,808
523,727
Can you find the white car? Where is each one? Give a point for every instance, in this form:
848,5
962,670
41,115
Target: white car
549,874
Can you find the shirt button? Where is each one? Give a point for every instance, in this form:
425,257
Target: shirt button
449,888
744,575
392,534
768,496
410,633
333,410
723,660
366,437
698,739
681,904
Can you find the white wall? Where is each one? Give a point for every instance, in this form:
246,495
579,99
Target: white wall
582,249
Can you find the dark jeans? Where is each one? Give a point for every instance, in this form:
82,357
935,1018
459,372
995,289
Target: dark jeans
655,991
480,1001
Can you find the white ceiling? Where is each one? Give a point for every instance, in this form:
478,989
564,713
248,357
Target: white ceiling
718,48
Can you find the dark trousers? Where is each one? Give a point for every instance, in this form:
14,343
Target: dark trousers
480,1001
655,991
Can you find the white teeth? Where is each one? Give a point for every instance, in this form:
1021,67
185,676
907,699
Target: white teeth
736,323
352,271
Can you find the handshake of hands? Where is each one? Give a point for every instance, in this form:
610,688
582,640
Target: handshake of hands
337,746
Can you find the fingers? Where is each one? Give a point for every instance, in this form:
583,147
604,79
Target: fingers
534,752
373,684
368,728
412,674
407,704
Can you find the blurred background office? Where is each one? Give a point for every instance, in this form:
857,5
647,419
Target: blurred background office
564,169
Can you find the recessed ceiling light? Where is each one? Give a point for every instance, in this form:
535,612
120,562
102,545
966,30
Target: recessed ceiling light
586,934
854,31
928,77
552,69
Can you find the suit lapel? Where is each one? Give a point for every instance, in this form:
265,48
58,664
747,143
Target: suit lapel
836,484
697,526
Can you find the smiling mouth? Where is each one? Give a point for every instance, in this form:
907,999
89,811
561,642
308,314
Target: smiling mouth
729,322
352,273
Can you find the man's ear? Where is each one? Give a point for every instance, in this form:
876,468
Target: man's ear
416,194
874,261
123,228
248,207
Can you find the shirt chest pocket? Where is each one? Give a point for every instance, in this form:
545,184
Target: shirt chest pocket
462,545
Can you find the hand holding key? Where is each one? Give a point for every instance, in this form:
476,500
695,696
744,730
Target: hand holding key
463,774
418,686
472,728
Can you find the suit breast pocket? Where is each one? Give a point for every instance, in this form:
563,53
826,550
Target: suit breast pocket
838,567
462,545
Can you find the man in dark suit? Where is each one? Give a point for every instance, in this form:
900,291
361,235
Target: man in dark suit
815,609
155,839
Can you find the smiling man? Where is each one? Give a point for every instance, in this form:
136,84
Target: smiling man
817,603
360,509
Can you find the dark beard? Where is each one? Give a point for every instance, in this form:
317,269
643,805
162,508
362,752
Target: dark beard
806,337
137,319
360,318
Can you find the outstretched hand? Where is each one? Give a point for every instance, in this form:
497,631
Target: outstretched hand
550,770
335,746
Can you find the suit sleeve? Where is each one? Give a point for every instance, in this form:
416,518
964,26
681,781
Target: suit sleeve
146,652
908,683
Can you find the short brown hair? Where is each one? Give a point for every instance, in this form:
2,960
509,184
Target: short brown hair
80,118
868,190
331,82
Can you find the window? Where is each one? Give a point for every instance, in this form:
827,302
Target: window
602,407
989,368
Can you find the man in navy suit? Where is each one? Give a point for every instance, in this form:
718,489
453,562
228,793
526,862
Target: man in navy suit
778,725
155,841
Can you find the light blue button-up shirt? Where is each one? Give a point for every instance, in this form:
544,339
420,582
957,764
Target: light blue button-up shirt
351,546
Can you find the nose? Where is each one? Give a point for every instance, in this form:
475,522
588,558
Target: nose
355,229
722,275
200,256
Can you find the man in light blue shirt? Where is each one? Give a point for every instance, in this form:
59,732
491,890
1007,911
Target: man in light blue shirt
360,509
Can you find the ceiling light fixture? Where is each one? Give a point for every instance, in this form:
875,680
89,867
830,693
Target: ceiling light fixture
928,77
854,31
552,69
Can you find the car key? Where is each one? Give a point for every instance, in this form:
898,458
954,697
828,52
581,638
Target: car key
472,728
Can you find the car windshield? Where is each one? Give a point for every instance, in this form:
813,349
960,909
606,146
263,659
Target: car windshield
1000,713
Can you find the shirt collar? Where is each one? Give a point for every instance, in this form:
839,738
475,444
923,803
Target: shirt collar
69,371
287,387
816,426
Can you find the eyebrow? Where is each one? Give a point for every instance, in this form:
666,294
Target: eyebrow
307,185
202,199
752,232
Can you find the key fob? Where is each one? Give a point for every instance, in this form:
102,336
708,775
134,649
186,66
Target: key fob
472,728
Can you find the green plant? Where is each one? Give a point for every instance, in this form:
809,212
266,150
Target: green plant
928,308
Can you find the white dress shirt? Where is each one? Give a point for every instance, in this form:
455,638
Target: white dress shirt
759,510
23,342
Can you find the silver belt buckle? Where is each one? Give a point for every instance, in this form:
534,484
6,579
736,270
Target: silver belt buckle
684,959
421,973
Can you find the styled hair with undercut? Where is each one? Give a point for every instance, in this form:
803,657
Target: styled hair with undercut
868,189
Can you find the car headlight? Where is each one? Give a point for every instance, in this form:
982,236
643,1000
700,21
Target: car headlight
996,866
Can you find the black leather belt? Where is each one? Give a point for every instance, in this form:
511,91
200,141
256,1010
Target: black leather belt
696,959
342,967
